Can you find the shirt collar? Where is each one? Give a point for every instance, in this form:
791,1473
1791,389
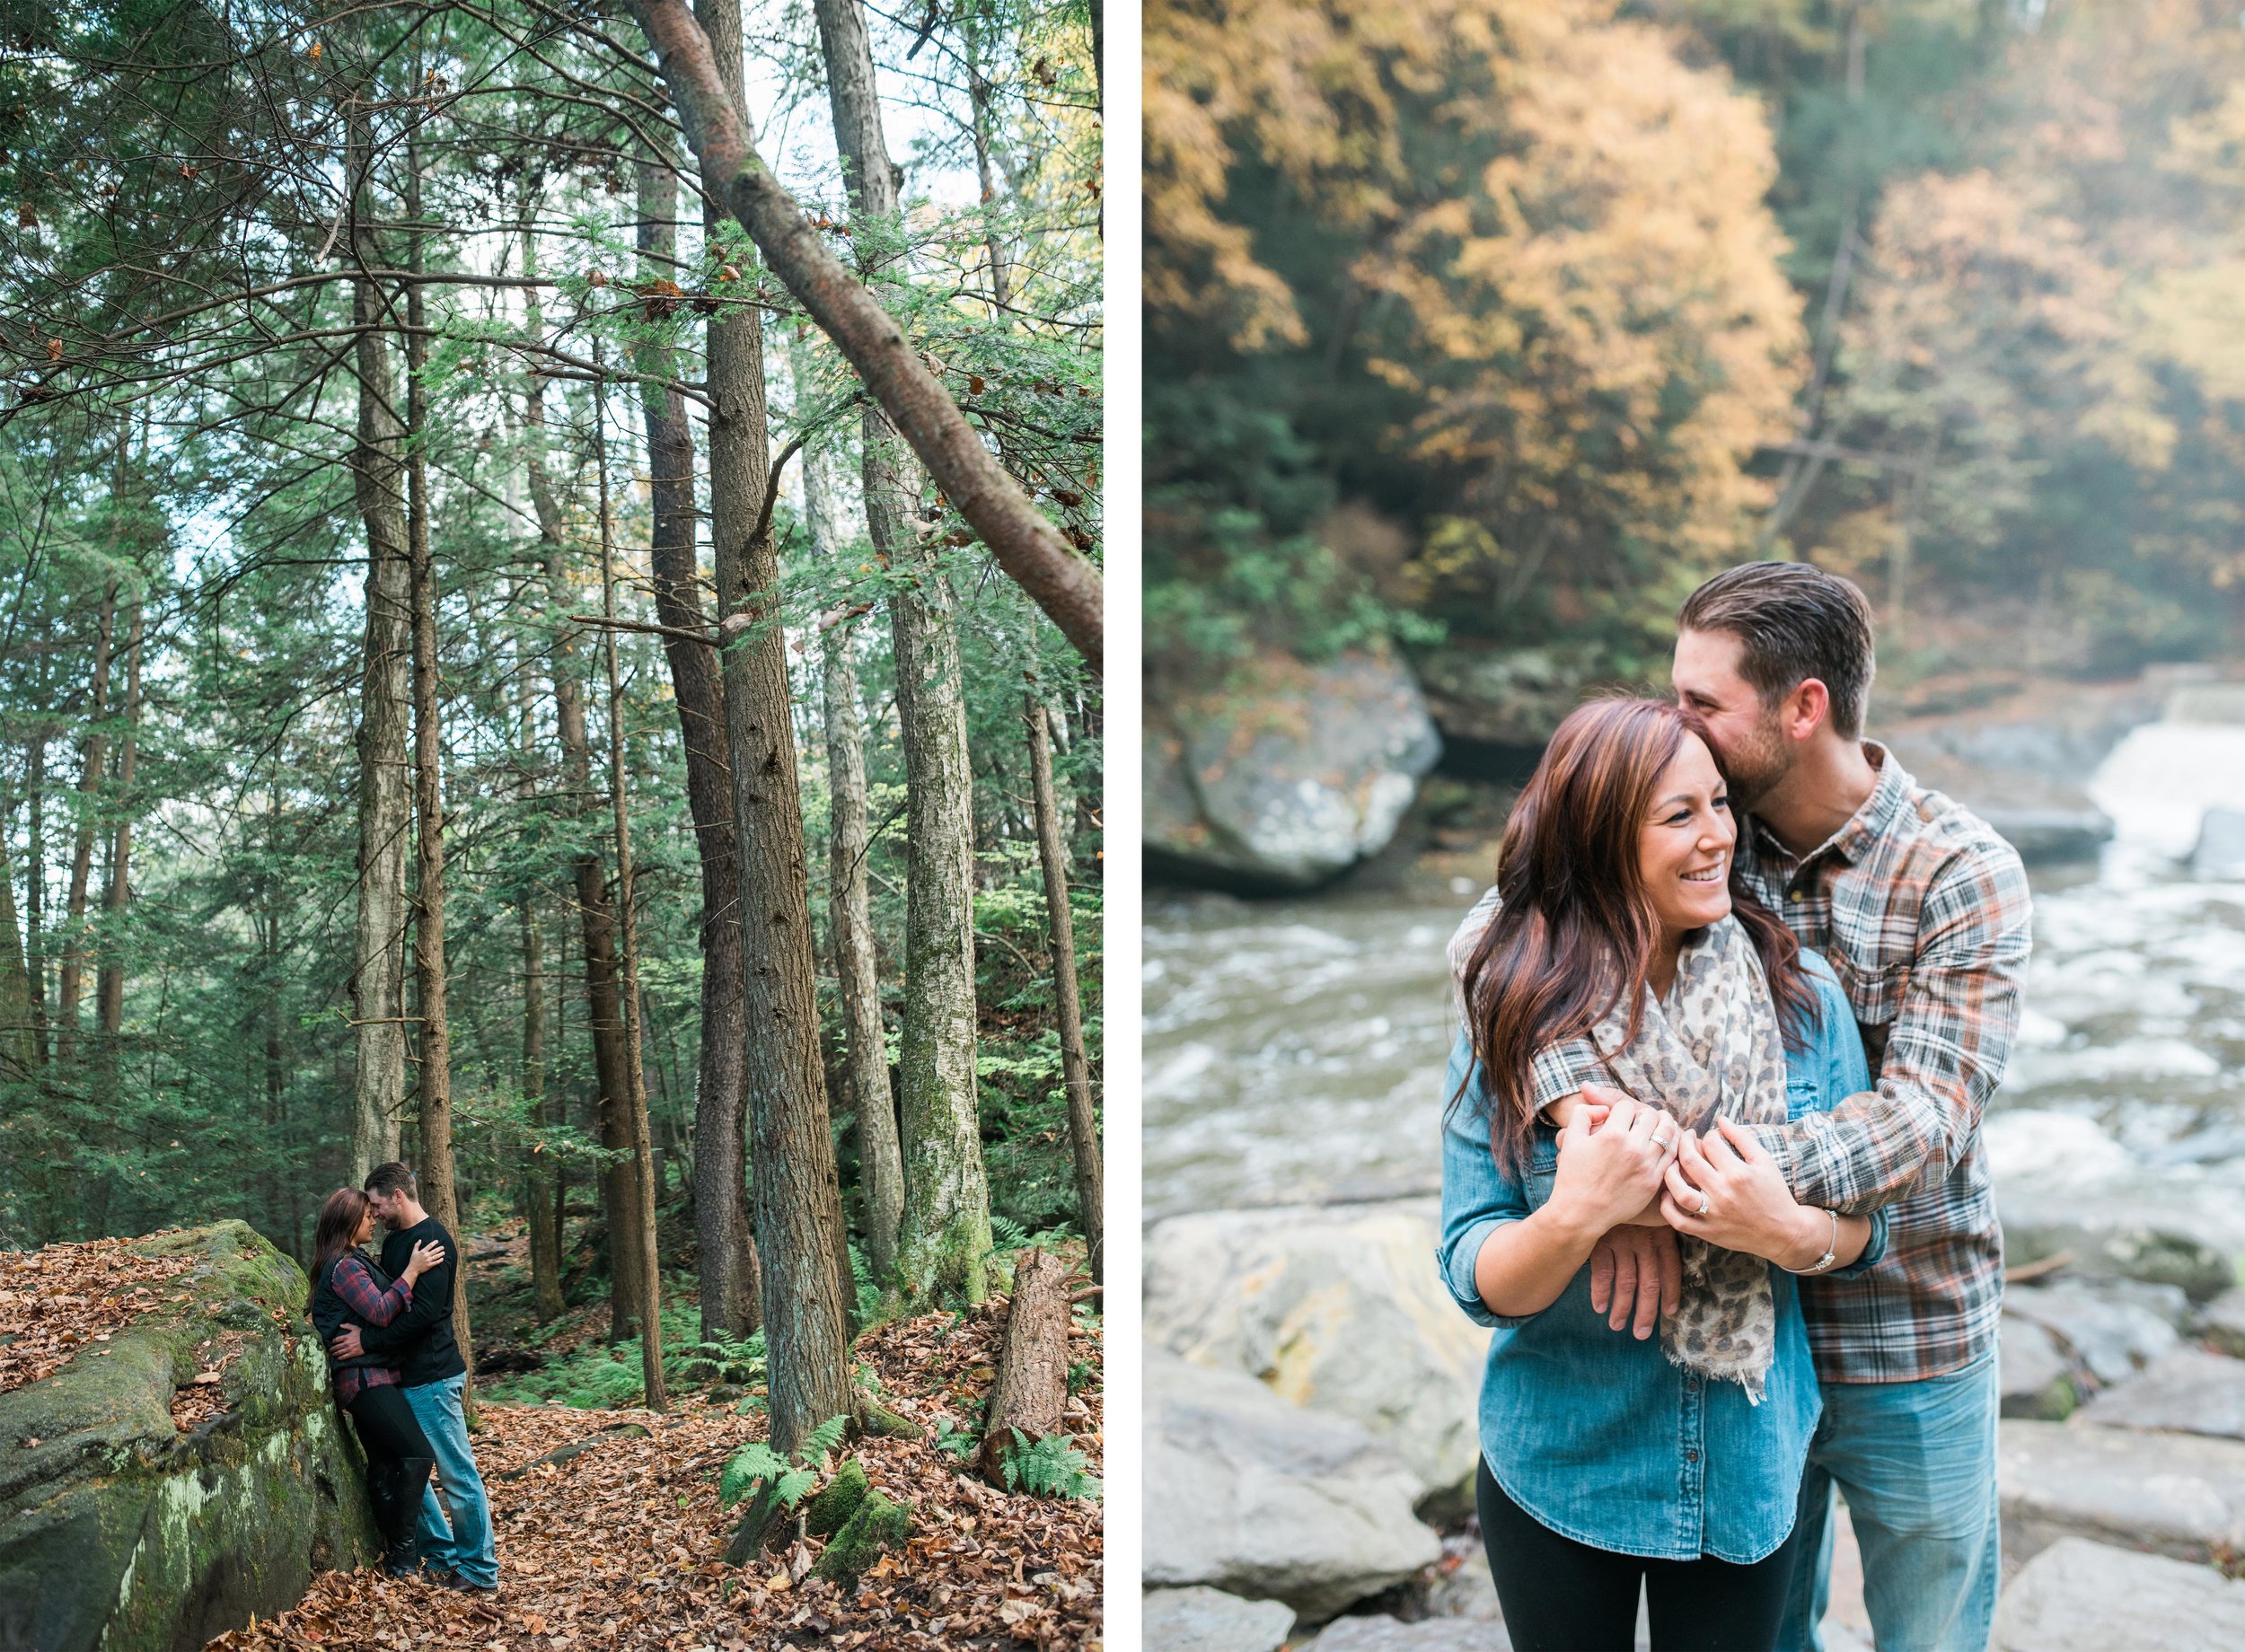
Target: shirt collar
1864,827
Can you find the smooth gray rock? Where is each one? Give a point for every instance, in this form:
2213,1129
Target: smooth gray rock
1203,1620
1288,774
1385,1634
2112,1245
2187,1391
1249,1494
1501,697
2181,1495
2045,835
1338,1309
2080,1597
2036,1377
2115,1327
2223,1322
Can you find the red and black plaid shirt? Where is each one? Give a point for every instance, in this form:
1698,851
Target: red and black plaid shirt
354,1281
1923,913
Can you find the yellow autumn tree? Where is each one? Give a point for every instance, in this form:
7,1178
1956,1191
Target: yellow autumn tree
1506,261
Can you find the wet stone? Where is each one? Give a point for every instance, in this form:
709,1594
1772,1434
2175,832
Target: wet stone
2188,1391
1204,1619
2080,1597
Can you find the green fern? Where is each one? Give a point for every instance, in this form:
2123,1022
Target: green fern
823,1439
1052,1467
1008,1234
756,1465
957,1442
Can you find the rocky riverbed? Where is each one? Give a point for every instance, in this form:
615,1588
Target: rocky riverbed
1313,1389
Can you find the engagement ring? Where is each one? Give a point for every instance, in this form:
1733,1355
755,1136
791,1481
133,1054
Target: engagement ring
1705,1204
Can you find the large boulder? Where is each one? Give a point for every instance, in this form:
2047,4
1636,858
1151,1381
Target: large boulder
1203,1620
1250,1495
1494,697
2187,1391
1338,1309
1287,775
2113,1327
121,1532
2080,1597
1386,1634
2181,1495
2037,1378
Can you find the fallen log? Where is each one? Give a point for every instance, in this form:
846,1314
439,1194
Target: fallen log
1032,1382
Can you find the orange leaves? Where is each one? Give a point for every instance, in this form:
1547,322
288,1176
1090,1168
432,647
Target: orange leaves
54,349
27,216
312,51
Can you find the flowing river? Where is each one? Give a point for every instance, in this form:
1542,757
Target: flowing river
1295,1049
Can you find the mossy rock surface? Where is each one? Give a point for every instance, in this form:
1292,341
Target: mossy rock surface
118,1531
878,1525
831,1509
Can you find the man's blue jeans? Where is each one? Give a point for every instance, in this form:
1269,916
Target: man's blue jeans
1917,1463
465,1543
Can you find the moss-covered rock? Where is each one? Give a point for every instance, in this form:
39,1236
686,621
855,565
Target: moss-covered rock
117,1531
879,1523
831,1509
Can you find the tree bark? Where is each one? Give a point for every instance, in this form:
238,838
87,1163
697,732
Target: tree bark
1031,1388
35,891
1083,1126
849,912
377,982
438,1189
19,1040
619,1186
94,756
1026,544
796,1198
538,1192
643,1239
109,972
944,1241
722,1230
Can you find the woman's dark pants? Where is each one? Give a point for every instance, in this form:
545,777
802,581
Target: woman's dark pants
1559,1595
398,1462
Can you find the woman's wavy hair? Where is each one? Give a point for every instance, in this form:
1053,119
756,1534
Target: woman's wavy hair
1576,930
337,1227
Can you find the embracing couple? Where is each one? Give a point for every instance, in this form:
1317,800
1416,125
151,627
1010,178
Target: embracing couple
397,1370
1712,1162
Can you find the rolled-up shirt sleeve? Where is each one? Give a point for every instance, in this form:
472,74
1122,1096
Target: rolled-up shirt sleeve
1477,1198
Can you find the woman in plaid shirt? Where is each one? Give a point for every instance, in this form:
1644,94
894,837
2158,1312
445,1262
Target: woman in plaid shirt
346,1285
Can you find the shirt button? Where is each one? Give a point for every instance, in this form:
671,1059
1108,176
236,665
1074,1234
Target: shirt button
1691,1455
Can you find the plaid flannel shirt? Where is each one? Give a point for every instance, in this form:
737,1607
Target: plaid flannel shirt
354,1281
1923,913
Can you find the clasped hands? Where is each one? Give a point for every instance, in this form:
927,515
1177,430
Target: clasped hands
1636,1165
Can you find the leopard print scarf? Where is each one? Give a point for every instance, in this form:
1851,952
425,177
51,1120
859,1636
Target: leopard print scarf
1711,1047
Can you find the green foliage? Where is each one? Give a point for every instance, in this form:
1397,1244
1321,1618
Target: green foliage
755,1465
1050,1467
956,1442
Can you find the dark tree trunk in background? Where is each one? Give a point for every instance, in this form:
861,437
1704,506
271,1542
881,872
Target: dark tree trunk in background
538,1188
94,756
35,891
945,1240
642,1238
722,1230
377,983
849,912
109,972
1083,1126
439,1191
796,1198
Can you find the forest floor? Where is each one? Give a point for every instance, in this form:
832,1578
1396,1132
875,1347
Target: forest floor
621,1545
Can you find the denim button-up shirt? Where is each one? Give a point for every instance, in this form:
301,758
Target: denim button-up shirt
1595,1433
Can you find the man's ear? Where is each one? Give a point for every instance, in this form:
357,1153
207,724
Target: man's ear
1808,708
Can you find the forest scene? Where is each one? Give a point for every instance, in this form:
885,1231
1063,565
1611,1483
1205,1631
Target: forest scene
552,634
1479,334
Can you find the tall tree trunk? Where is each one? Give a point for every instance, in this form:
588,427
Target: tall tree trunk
849,912
1083,1125
110,972
35,890
945,1239
19,1042
438,1189
797,1200
722,1230
94,755
978,94
635,1043
619,1186
709,105
378,982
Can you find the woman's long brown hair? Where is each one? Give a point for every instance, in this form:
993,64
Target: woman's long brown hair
335,1231
1576,930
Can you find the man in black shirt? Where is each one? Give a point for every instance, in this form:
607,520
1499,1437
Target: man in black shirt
432,1376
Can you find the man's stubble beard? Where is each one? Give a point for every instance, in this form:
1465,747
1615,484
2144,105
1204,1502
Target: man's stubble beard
1755,770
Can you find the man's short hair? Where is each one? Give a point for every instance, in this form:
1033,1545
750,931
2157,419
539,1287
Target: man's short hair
1792,623
392,1177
